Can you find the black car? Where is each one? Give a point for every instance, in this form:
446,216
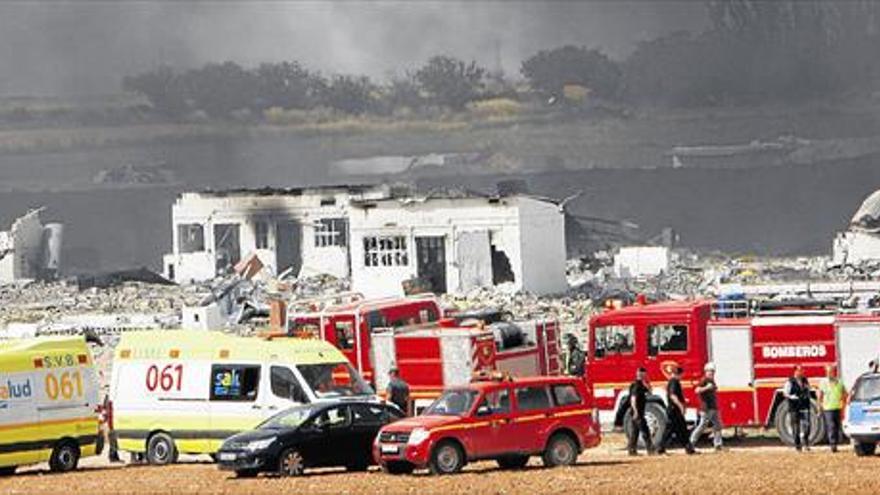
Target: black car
317,435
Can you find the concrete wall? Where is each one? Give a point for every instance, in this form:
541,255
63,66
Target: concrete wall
23,244
854,247
542,237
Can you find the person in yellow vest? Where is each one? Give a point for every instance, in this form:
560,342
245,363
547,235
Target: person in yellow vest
832,396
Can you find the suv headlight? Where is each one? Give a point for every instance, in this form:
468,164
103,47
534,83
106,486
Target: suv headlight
418,436
259,444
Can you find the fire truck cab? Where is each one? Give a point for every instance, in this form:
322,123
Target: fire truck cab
753,345
348,322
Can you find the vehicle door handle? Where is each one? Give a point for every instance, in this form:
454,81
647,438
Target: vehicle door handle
256,407
273,408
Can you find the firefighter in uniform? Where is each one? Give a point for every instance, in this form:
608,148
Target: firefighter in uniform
576,357
676,407
638,399
797,391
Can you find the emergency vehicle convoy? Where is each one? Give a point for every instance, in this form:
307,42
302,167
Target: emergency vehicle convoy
186,391
48,403
754,346
432,352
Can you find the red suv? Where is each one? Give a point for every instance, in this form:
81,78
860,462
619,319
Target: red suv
506,420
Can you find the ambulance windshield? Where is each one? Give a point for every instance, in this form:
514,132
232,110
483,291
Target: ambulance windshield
452,403
334,380
290,418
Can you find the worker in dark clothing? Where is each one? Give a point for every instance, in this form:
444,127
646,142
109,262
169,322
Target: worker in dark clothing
638,400
576,357
675,408
797,392
397,391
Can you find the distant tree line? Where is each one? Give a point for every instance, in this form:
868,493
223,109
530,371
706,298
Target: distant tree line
754,51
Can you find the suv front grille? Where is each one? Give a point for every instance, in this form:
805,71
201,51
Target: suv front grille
394,437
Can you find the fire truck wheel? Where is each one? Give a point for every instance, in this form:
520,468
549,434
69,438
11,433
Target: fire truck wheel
447,458
65,457
783,424
561,451
655,414
513,461
864,449
161,449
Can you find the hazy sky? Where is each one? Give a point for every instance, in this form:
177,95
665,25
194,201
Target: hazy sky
85,47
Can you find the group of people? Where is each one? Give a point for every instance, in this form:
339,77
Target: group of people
796,393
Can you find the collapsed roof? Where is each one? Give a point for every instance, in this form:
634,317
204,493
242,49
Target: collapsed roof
868,215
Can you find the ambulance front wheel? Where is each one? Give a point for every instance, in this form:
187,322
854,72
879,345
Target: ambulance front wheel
65,457
7,470
161,449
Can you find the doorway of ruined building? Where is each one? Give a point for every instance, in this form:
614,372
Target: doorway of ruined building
501,270
288,242
227,248
431,262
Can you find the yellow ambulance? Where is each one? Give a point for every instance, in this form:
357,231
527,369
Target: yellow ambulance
179,391
48,403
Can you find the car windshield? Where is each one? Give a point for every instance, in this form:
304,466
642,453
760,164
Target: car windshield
334,380
452,403
867,389
289,418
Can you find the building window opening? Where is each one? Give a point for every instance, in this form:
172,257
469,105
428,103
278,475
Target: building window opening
385,251
261,234
190,238
331,232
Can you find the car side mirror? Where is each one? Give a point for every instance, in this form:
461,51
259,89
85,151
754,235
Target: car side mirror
484,411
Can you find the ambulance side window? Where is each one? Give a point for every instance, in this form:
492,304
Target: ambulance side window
667,338
234,382
285,385
614,339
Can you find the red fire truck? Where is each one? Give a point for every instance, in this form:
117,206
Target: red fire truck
754,346
431,352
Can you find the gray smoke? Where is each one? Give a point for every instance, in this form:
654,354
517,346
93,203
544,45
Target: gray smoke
85,47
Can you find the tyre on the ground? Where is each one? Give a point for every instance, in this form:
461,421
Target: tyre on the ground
446,458
512,461
783,424
246,473
655,414
161,449
7,470
291,463
65,457
864,448
398,468
561,450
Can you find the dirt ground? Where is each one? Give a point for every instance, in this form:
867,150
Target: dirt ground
753,465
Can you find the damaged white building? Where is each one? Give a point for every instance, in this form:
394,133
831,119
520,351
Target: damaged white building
377,237
861,241
303,230
455,244
30,250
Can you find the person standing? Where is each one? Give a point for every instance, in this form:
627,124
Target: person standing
638,400
676,407
797,392
832,396
708,392
397,391
576,357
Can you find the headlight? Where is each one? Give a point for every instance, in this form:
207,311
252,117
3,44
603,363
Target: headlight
418,436
259,444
